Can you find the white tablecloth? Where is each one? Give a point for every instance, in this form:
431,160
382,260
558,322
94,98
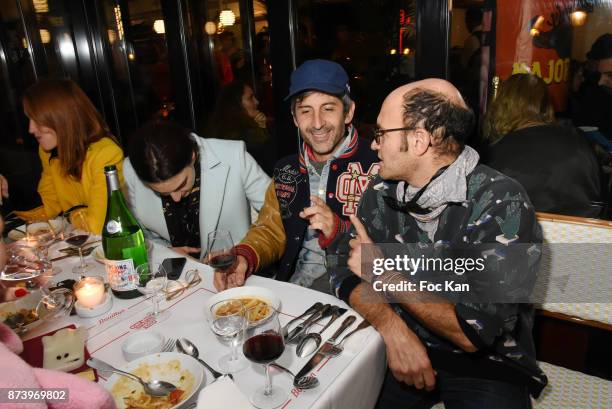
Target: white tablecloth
351,380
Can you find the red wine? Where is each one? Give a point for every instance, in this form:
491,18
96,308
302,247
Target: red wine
78,240
263,348
222,261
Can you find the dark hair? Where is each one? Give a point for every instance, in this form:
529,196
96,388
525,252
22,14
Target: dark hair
449,124
344,98
601,48
159,150
229,119
473,18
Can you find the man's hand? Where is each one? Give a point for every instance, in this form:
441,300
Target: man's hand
319,215
354,260
186,250
406,355
232,276
4,188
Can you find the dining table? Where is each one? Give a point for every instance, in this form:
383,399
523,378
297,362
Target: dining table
350,380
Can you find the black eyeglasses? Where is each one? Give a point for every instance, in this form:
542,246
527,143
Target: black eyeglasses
378,133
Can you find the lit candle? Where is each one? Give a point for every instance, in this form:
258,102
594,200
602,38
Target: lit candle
90,291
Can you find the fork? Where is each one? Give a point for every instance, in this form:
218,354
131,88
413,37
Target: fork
337,348
168,345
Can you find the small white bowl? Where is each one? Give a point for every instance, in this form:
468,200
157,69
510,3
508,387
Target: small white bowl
141,343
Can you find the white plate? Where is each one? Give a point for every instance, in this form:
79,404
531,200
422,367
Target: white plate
17,235
165,366
27,302
244,292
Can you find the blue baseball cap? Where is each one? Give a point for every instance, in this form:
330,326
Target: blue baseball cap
319,75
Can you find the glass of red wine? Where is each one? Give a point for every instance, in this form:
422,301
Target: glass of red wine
264,344
77,238
221,254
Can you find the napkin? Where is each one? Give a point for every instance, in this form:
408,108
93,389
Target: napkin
222,394
33,353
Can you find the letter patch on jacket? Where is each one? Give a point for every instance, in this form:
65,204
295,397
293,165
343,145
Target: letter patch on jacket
351,185
286,182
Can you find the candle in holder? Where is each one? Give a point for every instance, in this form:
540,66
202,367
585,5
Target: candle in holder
90,291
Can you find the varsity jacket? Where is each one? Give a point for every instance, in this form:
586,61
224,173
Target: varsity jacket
279,231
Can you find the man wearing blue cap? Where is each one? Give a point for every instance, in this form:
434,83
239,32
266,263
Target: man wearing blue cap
314,192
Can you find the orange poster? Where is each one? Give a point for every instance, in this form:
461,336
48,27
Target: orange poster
536,36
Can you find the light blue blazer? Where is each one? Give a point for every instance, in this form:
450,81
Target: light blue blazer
231,182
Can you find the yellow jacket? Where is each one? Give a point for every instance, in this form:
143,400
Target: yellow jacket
59,192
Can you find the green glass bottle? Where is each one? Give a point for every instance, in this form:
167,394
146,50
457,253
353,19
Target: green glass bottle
122,240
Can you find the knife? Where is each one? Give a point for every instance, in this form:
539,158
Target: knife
320,354
305,324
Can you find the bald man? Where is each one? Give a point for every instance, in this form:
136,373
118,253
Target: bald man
433,198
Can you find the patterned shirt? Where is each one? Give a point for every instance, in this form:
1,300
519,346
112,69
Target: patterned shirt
496,217
183,217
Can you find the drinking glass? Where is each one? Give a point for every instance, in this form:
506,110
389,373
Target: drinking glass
152,279
221,253
228,323
264,344
77,238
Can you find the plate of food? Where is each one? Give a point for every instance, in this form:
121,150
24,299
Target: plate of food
181,370
50,227
17,233
258,301
20,313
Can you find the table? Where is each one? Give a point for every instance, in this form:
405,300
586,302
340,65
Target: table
351,380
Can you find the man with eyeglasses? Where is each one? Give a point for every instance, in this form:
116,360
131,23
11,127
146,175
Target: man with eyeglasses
313,192
434,201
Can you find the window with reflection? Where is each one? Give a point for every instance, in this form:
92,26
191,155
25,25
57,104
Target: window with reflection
17,74
136,35
563,48
373,40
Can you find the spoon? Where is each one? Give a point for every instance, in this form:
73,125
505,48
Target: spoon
315,307
311,341
305,382
185,346
153,388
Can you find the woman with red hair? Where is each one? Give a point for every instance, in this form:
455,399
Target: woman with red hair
75,145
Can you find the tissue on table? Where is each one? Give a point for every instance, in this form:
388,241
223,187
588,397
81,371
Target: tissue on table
222,394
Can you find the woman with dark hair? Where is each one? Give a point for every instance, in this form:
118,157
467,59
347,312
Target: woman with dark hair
75,145
236,116
181,187
554,163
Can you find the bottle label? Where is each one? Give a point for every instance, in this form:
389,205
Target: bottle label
121,274
113,226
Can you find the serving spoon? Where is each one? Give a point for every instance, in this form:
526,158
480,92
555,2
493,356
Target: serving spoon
153,388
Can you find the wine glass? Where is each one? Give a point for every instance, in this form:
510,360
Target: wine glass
228,322
152,279
220,254
264,344
77,238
